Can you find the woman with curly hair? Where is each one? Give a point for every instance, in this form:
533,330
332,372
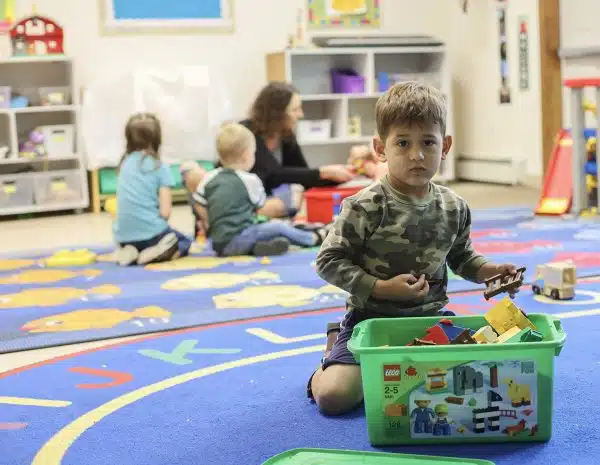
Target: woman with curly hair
279,158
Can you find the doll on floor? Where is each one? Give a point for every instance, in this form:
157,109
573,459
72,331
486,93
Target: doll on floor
363,161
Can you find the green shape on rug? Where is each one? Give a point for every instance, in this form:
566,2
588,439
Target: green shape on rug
177,356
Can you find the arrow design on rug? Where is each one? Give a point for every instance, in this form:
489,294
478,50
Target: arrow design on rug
117,377
177,355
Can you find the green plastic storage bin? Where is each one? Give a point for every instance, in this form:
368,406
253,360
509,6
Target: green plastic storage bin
465,393
347,457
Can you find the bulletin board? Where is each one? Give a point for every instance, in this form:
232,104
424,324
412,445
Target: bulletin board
163,17
343,13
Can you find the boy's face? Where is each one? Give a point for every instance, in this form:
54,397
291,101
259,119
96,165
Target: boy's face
413,153
249,156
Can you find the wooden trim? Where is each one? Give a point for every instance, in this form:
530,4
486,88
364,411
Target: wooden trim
551,77
95,191
276,67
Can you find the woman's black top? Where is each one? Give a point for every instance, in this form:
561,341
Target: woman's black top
293,168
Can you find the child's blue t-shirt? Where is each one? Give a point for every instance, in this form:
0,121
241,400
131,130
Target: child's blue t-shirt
138,214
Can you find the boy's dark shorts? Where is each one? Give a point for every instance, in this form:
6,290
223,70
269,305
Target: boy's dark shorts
340,354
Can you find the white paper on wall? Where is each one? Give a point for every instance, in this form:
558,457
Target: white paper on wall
190,106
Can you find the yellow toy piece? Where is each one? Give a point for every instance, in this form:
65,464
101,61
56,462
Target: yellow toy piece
589,106
506,315
485,335
79,257
590,145
110,206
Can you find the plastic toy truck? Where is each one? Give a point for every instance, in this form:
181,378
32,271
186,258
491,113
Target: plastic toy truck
555,280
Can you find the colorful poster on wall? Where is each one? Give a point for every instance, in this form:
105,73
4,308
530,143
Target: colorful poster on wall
523,53
504,68
158,16
7,15
343,13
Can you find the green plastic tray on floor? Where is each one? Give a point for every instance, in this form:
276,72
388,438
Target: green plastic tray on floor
347,457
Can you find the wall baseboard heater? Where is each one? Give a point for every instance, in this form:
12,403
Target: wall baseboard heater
496,171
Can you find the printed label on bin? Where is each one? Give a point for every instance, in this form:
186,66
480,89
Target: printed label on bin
474,399
59,186
9,188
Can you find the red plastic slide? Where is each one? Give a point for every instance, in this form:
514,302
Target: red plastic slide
557,192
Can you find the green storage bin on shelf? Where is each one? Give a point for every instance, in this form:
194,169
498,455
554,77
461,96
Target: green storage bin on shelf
346,457
511,402
108,177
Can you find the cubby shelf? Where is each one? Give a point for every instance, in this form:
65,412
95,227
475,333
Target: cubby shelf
55,181
309,70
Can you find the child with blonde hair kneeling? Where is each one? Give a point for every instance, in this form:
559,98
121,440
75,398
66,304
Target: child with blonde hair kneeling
141,227
228,198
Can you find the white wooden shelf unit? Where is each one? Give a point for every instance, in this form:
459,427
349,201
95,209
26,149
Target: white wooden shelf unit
57,181
309,70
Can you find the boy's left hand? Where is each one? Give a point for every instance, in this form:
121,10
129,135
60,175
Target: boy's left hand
508,269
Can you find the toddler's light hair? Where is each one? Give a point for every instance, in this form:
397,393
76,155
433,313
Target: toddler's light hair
232,141
409,103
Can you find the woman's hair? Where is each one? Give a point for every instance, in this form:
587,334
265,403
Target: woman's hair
268,112
143,134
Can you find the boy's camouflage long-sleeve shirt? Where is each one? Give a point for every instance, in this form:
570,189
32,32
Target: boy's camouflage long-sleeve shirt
381,233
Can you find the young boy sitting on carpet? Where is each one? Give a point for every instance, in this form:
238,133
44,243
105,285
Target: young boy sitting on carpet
141,227
227,199
391,242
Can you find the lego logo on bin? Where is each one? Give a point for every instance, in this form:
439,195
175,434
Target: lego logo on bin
391,372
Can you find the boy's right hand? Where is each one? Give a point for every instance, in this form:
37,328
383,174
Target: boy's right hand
402,287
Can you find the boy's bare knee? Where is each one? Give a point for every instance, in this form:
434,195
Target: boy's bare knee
338,389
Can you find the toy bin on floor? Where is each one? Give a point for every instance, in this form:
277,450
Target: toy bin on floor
320,202
350,457
465,392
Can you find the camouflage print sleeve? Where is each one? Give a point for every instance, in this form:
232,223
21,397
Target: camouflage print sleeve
462,258
338,261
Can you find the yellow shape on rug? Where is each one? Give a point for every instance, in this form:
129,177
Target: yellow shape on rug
275,295
199,263
81,320
50,297
216,280
44,276
14,264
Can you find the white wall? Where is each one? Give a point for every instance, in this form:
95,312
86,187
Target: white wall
487,129
262,26
579,29
484,128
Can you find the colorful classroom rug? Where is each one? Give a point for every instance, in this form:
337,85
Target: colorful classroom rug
42,307
225,391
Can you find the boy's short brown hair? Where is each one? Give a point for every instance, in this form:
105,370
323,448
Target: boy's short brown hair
410,103
233,139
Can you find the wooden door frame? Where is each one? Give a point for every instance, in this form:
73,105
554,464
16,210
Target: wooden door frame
550,77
